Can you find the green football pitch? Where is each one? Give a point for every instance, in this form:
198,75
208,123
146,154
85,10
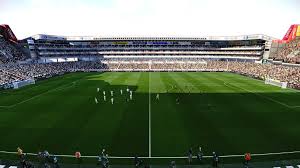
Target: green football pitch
223,112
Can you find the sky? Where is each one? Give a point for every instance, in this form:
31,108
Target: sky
149,18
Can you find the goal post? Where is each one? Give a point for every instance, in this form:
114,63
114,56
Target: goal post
19,84
269,81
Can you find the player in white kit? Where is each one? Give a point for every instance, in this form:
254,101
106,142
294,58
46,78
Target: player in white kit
112,100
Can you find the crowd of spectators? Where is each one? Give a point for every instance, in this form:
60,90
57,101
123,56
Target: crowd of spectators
290,53
10,71
288,74
9,52
16,72
228,53
195,52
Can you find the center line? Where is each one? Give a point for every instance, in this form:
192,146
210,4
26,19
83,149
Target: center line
149,118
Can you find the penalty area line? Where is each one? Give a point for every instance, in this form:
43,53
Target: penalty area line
65,86
258,94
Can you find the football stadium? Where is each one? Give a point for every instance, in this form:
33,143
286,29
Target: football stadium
211,101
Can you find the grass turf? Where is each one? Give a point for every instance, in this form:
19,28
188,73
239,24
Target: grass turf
222,112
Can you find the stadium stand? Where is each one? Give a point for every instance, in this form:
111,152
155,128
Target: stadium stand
15,72
9,53
54,55
290,53
50,48
288,49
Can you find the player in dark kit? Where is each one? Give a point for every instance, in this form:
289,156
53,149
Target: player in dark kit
215,159
55,162
190,155
200,154
172,164
137,162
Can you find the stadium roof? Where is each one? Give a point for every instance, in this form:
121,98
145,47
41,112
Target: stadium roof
84,38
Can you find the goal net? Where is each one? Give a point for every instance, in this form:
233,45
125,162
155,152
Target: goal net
274,82
19,84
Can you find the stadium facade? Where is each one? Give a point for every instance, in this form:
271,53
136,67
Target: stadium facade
51,48
48,48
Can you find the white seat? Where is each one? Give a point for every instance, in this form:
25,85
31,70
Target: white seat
13,167
2,166
289,166
276,167
298,166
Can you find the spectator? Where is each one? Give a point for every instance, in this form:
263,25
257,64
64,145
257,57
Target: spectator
78,157
247,158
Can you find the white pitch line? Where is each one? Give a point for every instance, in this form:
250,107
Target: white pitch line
33,97
265,97
164,157
149,117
